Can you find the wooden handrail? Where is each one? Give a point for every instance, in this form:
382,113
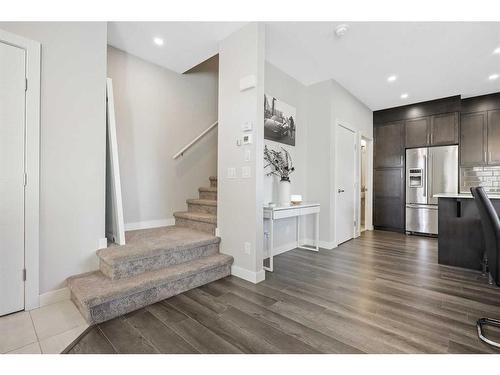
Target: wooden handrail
185,148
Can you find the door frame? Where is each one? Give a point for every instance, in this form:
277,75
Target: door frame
356,167
369,185
32,166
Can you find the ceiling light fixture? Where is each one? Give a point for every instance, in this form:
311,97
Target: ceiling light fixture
158,41
404,96
496,51
392,78
493,77
340,30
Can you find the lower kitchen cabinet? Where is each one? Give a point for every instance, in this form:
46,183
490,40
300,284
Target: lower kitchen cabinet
388,196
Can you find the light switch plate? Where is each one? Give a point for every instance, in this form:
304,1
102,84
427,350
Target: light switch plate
248,155
246,172
231,172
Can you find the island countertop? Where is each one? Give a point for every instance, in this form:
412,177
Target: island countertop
462,195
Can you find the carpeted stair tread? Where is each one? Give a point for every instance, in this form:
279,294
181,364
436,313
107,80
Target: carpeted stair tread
151,249
150,242
204,202
211,189
94,289
197,216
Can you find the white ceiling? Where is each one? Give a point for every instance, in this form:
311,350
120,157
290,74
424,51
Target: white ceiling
431,59
186,44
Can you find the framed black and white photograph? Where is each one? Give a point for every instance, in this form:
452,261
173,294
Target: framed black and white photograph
279,121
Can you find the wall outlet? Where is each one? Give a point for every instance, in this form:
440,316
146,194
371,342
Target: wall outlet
248,247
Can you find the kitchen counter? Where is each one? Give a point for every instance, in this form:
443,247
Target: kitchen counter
460,239
462,195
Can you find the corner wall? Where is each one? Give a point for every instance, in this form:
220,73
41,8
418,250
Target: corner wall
240,199
72,145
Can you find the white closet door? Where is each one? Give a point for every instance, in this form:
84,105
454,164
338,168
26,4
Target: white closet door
12,145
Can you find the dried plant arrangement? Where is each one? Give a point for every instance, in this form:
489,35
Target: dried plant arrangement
280,161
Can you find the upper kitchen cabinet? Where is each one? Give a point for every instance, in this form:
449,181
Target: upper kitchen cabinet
417,132
472,139
444,129
389,148
493,135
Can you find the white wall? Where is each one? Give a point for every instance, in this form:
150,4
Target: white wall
240,200
328,104
294,93
158,112
72,145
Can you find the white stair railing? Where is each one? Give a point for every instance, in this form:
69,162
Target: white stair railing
190,144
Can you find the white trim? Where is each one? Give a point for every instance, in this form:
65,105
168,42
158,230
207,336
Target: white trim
322,244
32,167
333,213
369,185
54,296
150,224
117,226
253,277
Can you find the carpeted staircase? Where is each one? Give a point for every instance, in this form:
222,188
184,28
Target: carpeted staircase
155,263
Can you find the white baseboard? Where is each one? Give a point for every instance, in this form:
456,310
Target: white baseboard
150,224
322,244
54,296
253,277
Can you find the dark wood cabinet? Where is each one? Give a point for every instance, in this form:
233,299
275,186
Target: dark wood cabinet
473,139
493,135
388,195
389,148
444,129
417,132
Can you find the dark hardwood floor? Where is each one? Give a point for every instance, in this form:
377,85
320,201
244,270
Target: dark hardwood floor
381,293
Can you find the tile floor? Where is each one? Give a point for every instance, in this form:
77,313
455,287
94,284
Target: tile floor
47,330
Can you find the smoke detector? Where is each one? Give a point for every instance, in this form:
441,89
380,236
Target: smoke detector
340,30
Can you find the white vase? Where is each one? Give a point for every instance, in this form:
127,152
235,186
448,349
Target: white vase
284,192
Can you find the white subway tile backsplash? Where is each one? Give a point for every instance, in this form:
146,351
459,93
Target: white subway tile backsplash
488,177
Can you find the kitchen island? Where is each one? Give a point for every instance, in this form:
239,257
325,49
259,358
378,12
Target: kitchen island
460,239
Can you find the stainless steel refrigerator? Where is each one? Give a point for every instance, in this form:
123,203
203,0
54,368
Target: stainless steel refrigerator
429,171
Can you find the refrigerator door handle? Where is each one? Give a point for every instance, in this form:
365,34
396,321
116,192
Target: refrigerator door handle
424,177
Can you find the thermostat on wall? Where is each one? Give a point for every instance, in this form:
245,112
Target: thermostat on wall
247,139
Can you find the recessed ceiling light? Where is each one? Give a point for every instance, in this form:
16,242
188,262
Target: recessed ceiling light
404,96
392,78
158,41
493,77
496,51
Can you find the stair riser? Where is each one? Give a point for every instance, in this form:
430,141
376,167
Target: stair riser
197,225
212,195
213,183
132,268
109,310
202,208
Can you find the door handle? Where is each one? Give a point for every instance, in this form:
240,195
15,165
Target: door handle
341,191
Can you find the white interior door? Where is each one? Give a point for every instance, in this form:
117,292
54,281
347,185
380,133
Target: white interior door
12,149
345,176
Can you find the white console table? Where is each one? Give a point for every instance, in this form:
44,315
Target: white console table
283,212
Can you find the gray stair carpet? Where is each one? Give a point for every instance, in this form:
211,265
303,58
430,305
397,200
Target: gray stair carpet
151,249
155,263
99,298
